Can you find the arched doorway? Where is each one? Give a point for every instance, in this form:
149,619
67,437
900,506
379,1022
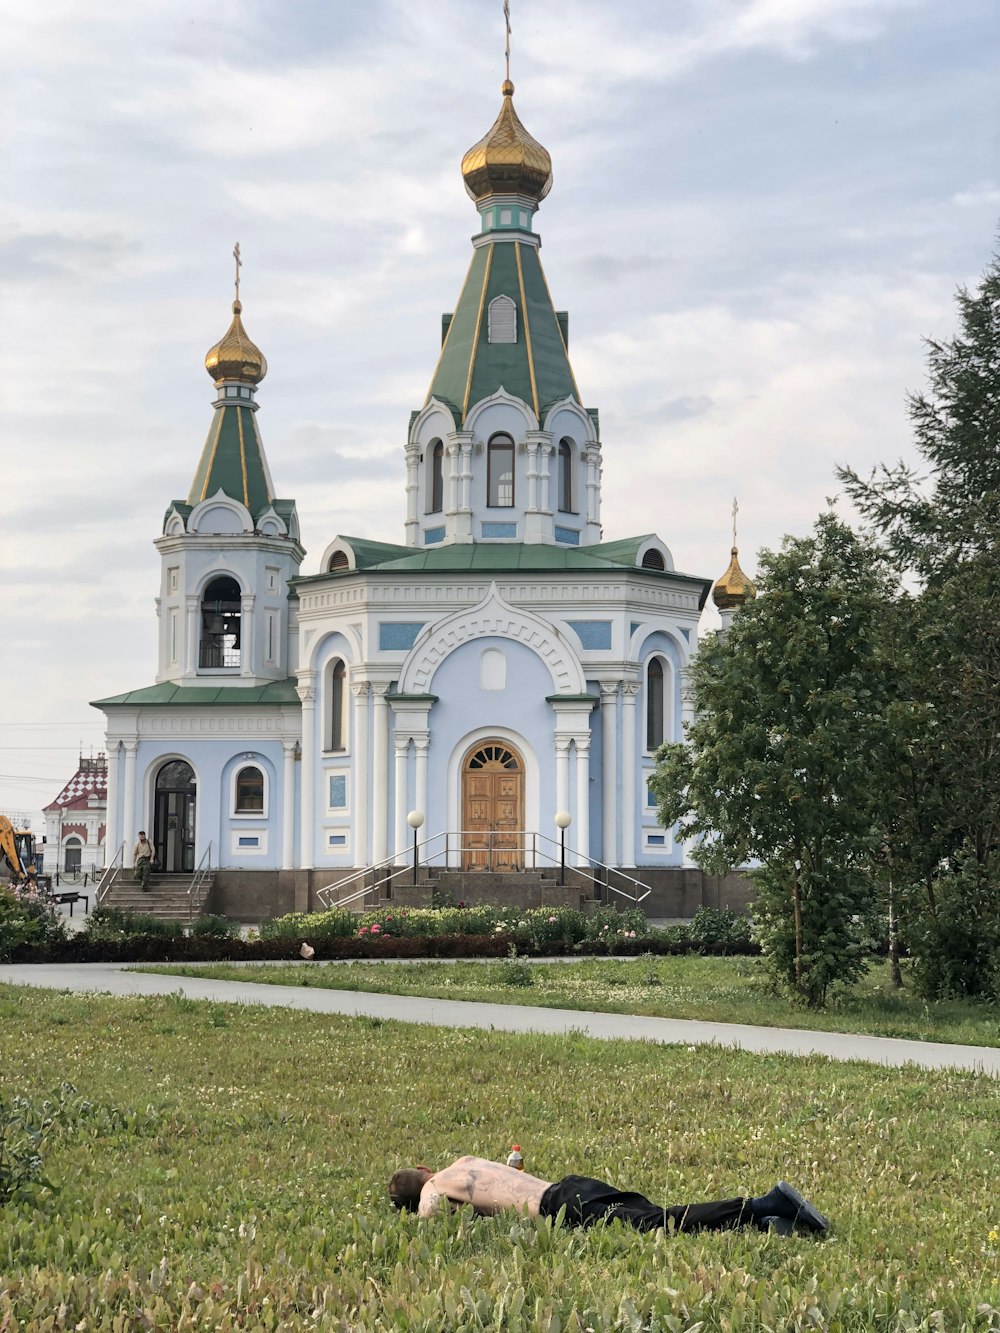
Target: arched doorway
492,807
174,801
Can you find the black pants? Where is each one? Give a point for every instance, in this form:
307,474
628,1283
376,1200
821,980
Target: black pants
589,1201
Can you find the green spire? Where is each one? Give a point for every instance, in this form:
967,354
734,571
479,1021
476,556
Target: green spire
535,367
233,460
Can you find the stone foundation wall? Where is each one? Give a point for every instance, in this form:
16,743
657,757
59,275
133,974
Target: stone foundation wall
255,895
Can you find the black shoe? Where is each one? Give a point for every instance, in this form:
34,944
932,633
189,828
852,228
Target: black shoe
781,1225
785,1201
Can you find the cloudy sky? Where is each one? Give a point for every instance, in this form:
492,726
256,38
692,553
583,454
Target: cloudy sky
760,208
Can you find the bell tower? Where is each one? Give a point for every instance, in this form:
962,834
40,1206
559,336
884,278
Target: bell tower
229,550
503,449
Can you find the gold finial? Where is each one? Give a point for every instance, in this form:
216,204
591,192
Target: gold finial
234,356
734,588
506,19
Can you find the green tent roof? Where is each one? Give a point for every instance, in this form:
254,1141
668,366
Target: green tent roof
207,696
535,368
233,461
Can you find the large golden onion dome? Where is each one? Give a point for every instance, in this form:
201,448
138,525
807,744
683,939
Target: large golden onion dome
734,588
507,160
234,356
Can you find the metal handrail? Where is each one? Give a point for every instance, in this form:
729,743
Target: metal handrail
517,840
201,873
109,876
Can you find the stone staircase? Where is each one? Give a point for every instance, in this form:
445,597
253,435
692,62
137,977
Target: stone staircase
166,898
439,887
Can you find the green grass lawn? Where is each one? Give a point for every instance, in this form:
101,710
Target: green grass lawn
226,1166
723,990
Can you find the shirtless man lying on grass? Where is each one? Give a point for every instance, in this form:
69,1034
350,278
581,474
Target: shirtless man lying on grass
491,1188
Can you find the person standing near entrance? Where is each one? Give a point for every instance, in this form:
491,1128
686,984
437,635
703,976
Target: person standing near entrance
143,855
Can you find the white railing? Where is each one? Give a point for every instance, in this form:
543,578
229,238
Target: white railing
111,873
198,880
500,852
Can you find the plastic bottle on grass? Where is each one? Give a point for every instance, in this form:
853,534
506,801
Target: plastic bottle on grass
515,1159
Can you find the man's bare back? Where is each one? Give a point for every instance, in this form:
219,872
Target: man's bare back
487,1186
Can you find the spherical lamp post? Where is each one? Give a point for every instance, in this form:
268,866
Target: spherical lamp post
562,821
415,819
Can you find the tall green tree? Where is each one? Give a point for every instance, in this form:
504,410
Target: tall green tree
940,525
786,762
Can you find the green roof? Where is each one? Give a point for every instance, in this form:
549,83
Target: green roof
204,696
535,368
486,557
233,461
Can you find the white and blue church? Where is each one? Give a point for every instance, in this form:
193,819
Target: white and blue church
502,666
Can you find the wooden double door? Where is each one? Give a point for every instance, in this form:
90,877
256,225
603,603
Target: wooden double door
493,808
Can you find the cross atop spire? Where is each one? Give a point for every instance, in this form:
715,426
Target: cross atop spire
506,18
736,510
239,265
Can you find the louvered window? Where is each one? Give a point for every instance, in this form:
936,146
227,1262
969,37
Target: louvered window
503,320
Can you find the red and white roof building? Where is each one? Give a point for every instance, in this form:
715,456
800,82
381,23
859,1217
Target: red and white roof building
75,822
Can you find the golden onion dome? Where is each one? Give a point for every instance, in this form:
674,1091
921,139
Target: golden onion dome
734,588
234,356
507,160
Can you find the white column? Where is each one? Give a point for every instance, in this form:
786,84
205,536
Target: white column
421,744
532,471
130,829
111,838
466,474
380,775
248,645
306,690
453,454
360,691
609,774
687,703
630,688
412,492
581,840
288,807
545,488
562,772
191,636
402,745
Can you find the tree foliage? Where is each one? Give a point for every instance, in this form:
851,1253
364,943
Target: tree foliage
786,759
941,525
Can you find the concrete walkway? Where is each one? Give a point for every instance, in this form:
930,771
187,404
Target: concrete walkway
114,979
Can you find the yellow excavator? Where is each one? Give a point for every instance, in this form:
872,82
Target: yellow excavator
17,852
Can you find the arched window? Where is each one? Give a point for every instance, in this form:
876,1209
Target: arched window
653,559
337,705
338,561
565,477
502,320
435,478
73,853
249,791
221,608
654,704
500,472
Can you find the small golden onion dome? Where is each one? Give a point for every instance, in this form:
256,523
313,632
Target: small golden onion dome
507,160
734,588
234,356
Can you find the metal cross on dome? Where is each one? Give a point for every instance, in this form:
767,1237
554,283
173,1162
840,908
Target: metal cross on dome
736,510
506,17
239,265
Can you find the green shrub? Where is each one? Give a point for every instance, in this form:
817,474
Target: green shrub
220,926
338,923
710,925
956,950
514,971
27,917
111,923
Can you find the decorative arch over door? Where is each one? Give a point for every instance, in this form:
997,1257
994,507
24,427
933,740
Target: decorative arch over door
174,806
493,807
